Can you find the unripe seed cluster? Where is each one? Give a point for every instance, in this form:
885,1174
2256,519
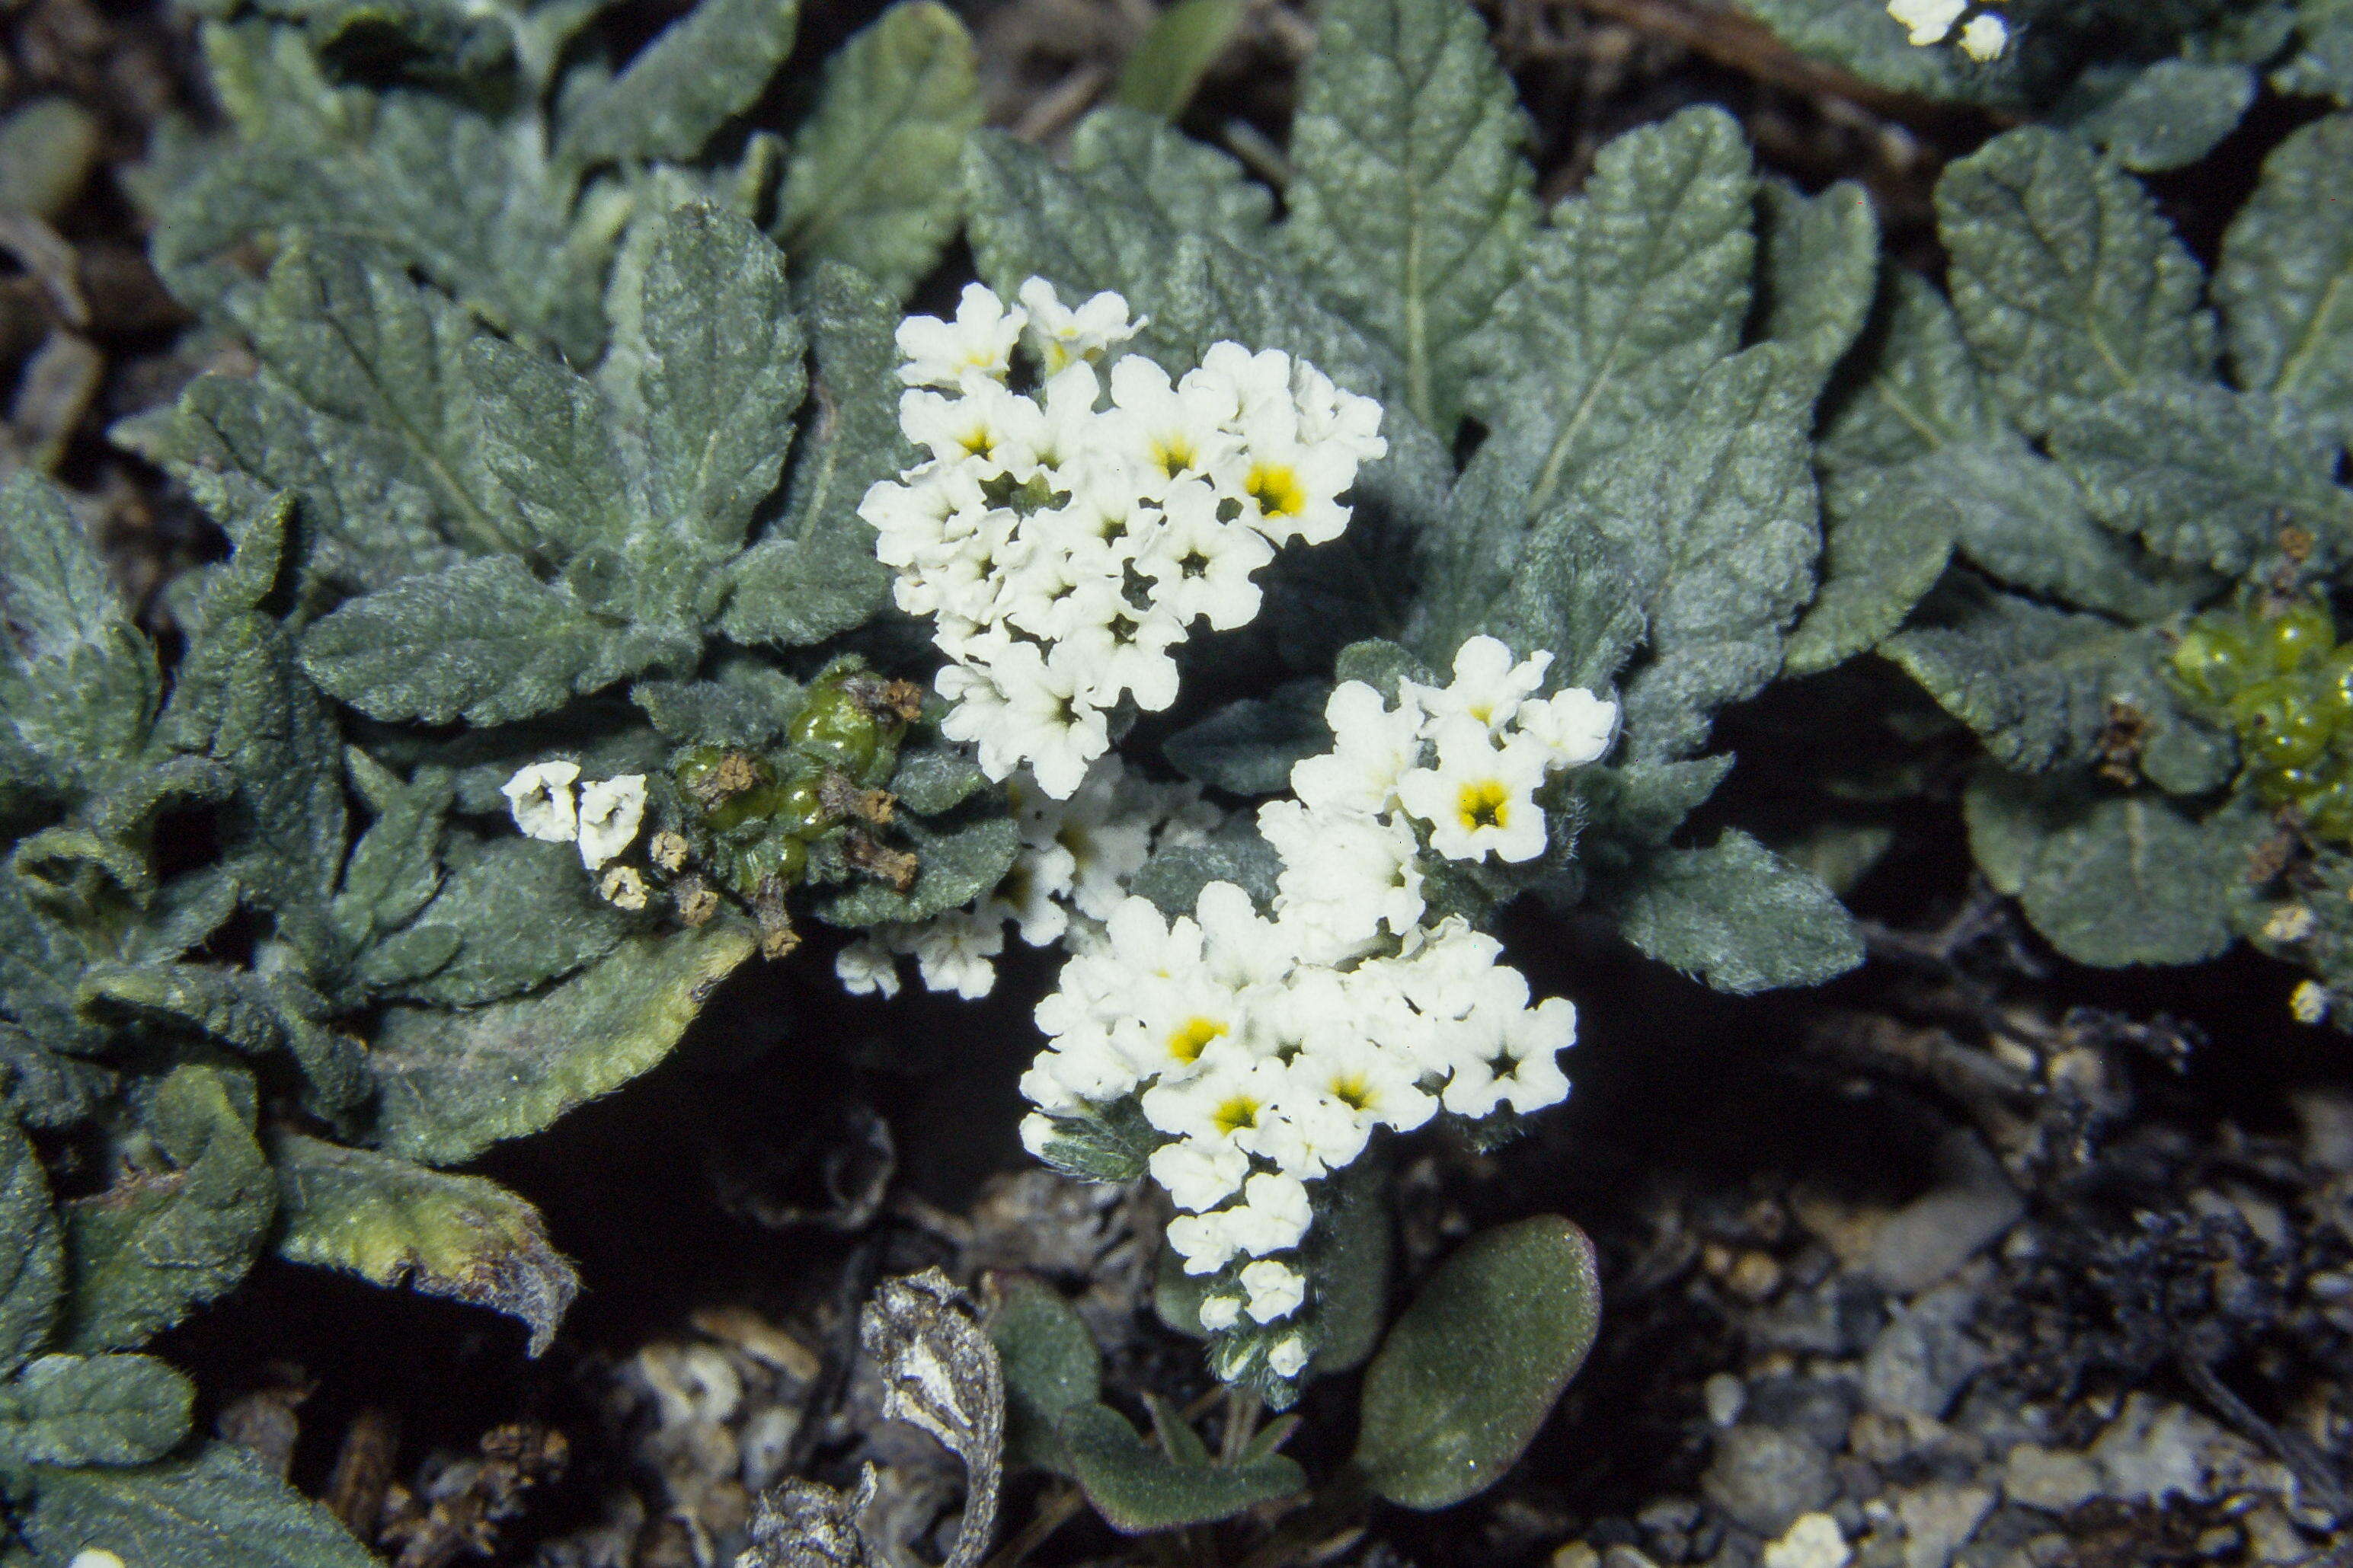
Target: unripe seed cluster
2278,677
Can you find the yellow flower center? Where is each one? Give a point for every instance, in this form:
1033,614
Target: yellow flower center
1353,1090
1485,803
1190,1038
979,442
1276,489
1236,1113
1174,455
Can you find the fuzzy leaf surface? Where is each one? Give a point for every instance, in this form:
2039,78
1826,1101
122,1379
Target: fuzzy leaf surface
93,1410
957,859
2170,114
1471,1369
2133,879
78,683
32,1266
704,68
1247,747
1411,200
1190,186
1888,541
454,1083
2286,278
1921,391
517,913
2068,282
220,1509
162,1241
1737,915
1050,1365
876,178
1817,269
392,1222
1137,1489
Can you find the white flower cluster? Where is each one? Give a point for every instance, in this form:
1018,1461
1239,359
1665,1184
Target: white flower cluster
1982,38
1065,547
1076,859
603,818
1266,1052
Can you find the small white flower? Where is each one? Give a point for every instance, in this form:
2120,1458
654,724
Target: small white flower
1481,797
611,811
1516,1067
1198,1174
2308,1002
1061,336
1167,431
1373,744
1287,1357
867,968
1274,1215
1488,684
1928,20
978,342
1573,726
1205,1241
1276,1290
540,798
1200,565
95,1557
1984,37
954,952
1220,1312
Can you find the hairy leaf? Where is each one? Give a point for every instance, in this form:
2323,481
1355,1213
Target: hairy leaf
167,1238
1860,35
32,1263
957,861
2170,114
1737,915
1050,1365
220,1509
1247,747
392,1222
1889,538
484,640
396,866
2322,63
2068,282
705,68
1817,269
1137,1489
546,438
454,1083
1173,878
517,913
876,176
1921,391
2203,475
1165,70
1190,186
1473,1368
814,574
1411,200
2286,278
93,1410
78,683
254,1014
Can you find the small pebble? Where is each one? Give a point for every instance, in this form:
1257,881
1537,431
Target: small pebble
1725,1396
1813,1541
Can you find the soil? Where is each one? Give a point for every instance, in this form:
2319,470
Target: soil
1973,1257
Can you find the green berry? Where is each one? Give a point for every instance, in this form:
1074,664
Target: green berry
2332,681
835,728
2289,787
2298,636
2215,658
2330,813
800,808
695,764
2280,724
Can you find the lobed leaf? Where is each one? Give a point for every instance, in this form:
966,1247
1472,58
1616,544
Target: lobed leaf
703,69
511,914
1737,915
32,1265
78,685
1817,269
92,1410
1411,200
1187,185
221,1508
1138,1489
2170,114
1889,538
876,178
2286,278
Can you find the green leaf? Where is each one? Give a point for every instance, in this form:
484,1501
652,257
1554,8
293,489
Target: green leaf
1817,269
1411,200
484,640
396,866
1921,391
1051,1364
1888,541
78,683
1714,514
32,1264
516,914
1165,70
1247,747
814,576
2038,685
721,376
1190,187
1175,874
957,861
547,439
1473,1368
1137,1489
454,1083
2322,65
1112,1146
175,1233
2203,475
2286,278
1737,915
47,148
876,178
392,1221
343,328
1631,808
254,1014
1861,37
2122,880
1349,1257
2170,114
2068,282
221,1509
96,1410
705,68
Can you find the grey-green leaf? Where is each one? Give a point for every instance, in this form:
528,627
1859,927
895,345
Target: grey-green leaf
78,683
93,1410
1137,1489
2170,114
876,178
1165,70
161,1241
1922,391
2068,281
221,1509
1737,915
454,1083
547,436
392,1221
1411,200
1473,1367
957,859
1051,1364
2133,879
484,640
1888,541
2286,278
1817,269
1247,747
705,68
1193,187
517,914
32,1262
